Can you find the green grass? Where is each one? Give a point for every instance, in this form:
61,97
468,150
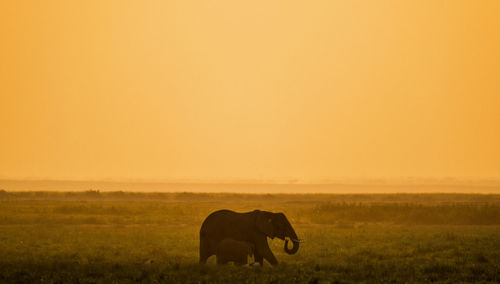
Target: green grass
123,237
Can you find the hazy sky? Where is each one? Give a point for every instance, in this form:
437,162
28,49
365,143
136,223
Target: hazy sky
249,89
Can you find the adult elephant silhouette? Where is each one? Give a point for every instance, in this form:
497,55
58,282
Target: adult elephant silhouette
253,227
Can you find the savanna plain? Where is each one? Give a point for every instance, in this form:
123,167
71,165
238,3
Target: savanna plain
125,237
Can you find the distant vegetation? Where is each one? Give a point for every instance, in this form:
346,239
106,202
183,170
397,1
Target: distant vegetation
121,236
162,208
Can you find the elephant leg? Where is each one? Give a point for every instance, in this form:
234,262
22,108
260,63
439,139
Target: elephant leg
242,260
258,257
205,252
221,260
271,258
264,251
203,258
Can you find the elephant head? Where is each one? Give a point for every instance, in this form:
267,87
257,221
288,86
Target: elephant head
277,225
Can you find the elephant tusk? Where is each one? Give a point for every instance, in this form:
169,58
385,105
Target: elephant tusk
297,241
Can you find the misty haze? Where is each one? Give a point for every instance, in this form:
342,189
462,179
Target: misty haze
249,142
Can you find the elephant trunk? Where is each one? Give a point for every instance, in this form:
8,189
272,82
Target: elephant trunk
294,249
295,240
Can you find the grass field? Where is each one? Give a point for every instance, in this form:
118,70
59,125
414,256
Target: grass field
90,237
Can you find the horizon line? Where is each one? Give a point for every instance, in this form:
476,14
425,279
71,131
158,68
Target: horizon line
290,181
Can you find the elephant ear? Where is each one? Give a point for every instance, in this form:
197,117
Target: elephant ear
264,222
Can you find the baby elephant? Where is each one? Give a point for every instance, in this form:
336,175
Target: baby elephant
236,251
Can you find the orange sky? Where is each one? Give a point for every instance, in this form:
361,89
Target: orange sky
249,89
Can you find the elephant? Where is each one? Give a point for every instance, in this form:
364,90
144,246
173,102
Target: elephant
253,227
236,251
